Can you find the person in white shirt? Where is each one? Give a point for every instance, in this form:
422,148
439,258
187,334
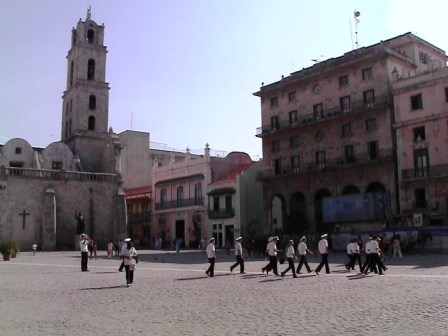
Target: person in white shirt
323,251
84,241
368,251
238,256
34,248
348,265
271,250
290,255
303,249
211,255
129,255
356,255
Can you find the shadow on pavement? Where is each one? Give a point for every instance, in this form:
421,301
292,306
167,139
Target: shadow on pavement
108,287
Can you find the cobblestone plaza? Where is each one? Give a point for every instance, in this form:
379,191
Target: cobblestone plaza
47,294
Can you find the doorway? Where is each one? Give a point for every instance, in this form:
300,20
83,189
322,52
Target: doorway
180,231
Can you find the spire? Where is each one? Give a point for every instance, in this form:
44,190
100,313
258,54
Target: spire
89,14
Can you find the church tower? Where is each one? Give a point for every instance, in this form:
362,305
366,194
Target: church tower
86,99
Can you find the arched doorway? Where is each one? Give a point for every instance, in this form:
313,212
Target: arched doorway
277,214
318,211
375,187
350,190
298,221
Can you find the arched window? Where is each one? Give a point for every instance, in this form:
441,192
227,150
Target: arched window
90,35
71,73
92,102
70,126
91,123
91,69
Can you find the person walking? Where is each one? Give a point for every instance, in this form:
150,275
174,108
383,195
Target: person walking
129,255
303,250
34,248
290,256
350,246
356,255
323,251
368,265
84,242
110,249
211,255
271,250
397,247
238,256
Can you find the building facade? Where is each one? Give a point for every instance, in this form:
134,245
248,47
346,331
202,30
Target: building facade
44,191
329,145
421,125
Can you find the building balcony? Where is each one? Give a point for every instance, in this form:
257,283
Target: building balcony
355,107
329,165
179,203
425,173
144,217
221,213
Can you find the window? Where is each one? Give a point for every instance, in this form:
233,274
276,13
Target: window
320,159
66,128
163,198
343,80
420,198
277,167
345,104
346,130
274,102
70,126
91,126
216,203
198,193
348,153
56,165
372,149
295,164
423,57
276,145
90,35
292,96
92,102
91,69
294,141
419,134
180,196
416,102
71,73
18,150
421,162
318,111
275,125
369,98
293,118
371,125
367,73
228,203
446,94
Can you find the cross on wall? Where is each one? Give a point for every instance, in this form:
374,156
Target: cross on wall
24,214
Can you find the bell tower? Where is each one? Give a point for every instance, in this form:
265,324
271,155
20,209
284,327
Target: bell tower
85,109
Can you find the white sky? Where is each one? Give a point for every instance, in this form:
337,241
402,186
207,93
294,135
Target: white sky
186,69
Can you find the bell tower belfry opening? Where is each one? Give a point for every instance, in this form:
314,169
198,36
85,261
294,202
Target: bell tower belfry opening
85,109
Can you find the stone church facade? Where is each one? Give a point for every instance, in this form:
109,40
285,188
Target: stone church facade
42,189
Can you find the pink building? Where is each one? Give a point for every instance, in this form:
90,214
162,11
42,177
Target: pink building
421,124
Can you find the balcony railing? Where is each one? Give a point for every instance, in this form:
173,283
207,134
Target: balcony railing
331,164
425,173
221,213
354,108
140,217
179,203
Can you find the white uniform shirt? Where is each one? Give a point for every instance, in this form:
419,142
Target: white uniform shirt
128,254
210,250
323,246
355,248
368,247
302,248
290,252
272,249
374,246
349,248
84,245
238,249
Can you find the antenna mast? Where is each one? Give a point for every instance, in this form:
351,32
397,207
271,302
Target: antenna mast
356,15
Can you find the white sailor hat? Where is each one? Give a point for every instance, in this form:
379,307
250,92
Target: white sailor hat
270,239
211,239
127,240
324,235
303,238
239,238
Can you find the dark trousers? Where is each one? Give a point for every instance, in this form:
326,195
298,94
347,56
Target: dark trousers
370,263
302,262
84,260
350,261
211,270
324,262
120,269
239,261
290,267
356,258
129,274
375,261
272,265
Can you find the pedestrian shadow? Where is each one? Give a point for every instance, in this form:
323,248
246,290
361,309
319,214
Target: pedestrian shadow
272,279
202,277
98,288
358,276
105,272
340,271
310,275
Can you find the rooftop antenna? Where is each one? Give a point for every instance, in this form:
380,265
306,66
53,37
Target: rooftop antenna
356,15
